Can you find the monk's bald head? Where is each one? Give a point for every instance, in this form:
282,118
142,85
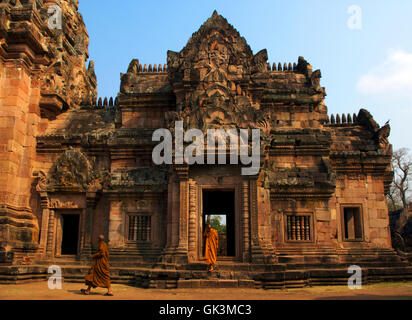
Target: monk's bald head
101,237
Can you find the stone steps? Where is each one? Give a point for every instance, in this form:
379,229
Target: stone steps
228,274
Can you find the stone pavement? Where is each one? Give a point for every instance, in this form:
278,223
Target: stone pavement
71,291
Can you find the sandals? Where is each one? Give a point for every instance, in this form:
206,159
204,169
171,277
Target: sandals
84,291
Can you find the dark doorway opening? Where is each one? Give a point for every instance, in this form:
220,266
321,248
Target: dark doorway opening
219,211
70,236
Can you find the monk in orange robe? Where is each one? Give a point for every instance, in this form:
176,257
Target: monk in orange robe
99,274
211,245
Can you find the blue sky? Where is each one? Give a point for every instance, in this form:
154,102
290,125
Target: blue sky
367,68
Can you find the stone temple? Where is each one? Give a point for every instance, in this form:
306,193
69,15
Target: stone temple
73,167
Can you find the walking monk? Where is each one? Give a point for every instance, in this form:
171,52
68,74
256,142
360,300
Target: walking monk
99,274
211,245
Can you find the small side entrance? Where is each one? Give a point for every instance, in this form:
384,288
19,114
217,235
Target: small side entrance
219,211
70,234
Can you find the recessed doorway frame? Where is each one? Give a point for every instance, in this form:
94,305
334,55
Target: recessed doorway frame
238,221
59,213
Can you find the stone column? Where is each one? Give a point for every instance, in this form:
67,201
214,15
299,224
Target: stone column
193,210
116,236
253,214
44,203
50,234
261,250
245,222
178,212
87,226
182,174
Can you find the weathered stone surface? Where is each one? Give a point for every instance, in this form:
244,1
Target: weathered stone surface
319,196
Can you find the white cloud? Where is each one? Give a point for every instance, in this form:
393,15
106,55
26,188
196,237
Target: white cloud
393,76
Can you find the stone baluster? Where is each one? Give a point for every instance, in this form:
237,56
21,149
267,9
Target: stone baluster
289,225
307,228
293,227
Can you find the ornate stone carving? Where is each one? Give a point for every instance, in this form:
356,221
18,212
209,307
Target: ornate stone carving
66,75
71,170
41,182
217,62
57,204
138,177
382,136
99,181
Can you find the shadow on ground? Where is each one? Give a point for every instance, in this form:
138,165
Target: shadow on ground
366,297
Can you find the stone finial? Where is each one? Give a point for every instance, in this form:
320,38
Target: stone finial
343,118
268,67
160,69
165,68
133,66
140,68
274,66
111,102
332,119
150,68
100,103
355,118
294,66
145,68
116,101
155,68
349,118
338,119
285,67
290,67
279,67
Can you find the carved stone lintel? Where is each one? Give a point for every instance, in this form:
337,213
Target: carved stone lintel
57,204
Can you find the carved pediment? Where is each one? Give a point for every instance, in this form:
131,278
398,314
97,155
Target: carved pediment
210,78
71,170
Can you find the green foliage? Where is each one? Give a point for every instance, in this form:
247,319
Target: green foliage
216,222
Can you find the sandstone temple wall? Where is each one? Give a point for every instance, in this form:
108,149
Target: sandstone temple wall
321,184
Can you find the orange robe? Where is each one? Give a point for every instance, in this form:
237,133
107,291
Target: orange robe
99,274
211,246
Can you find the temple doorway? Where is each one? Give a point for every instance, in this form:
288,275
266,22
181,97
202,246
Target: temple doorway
219,211
70,234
